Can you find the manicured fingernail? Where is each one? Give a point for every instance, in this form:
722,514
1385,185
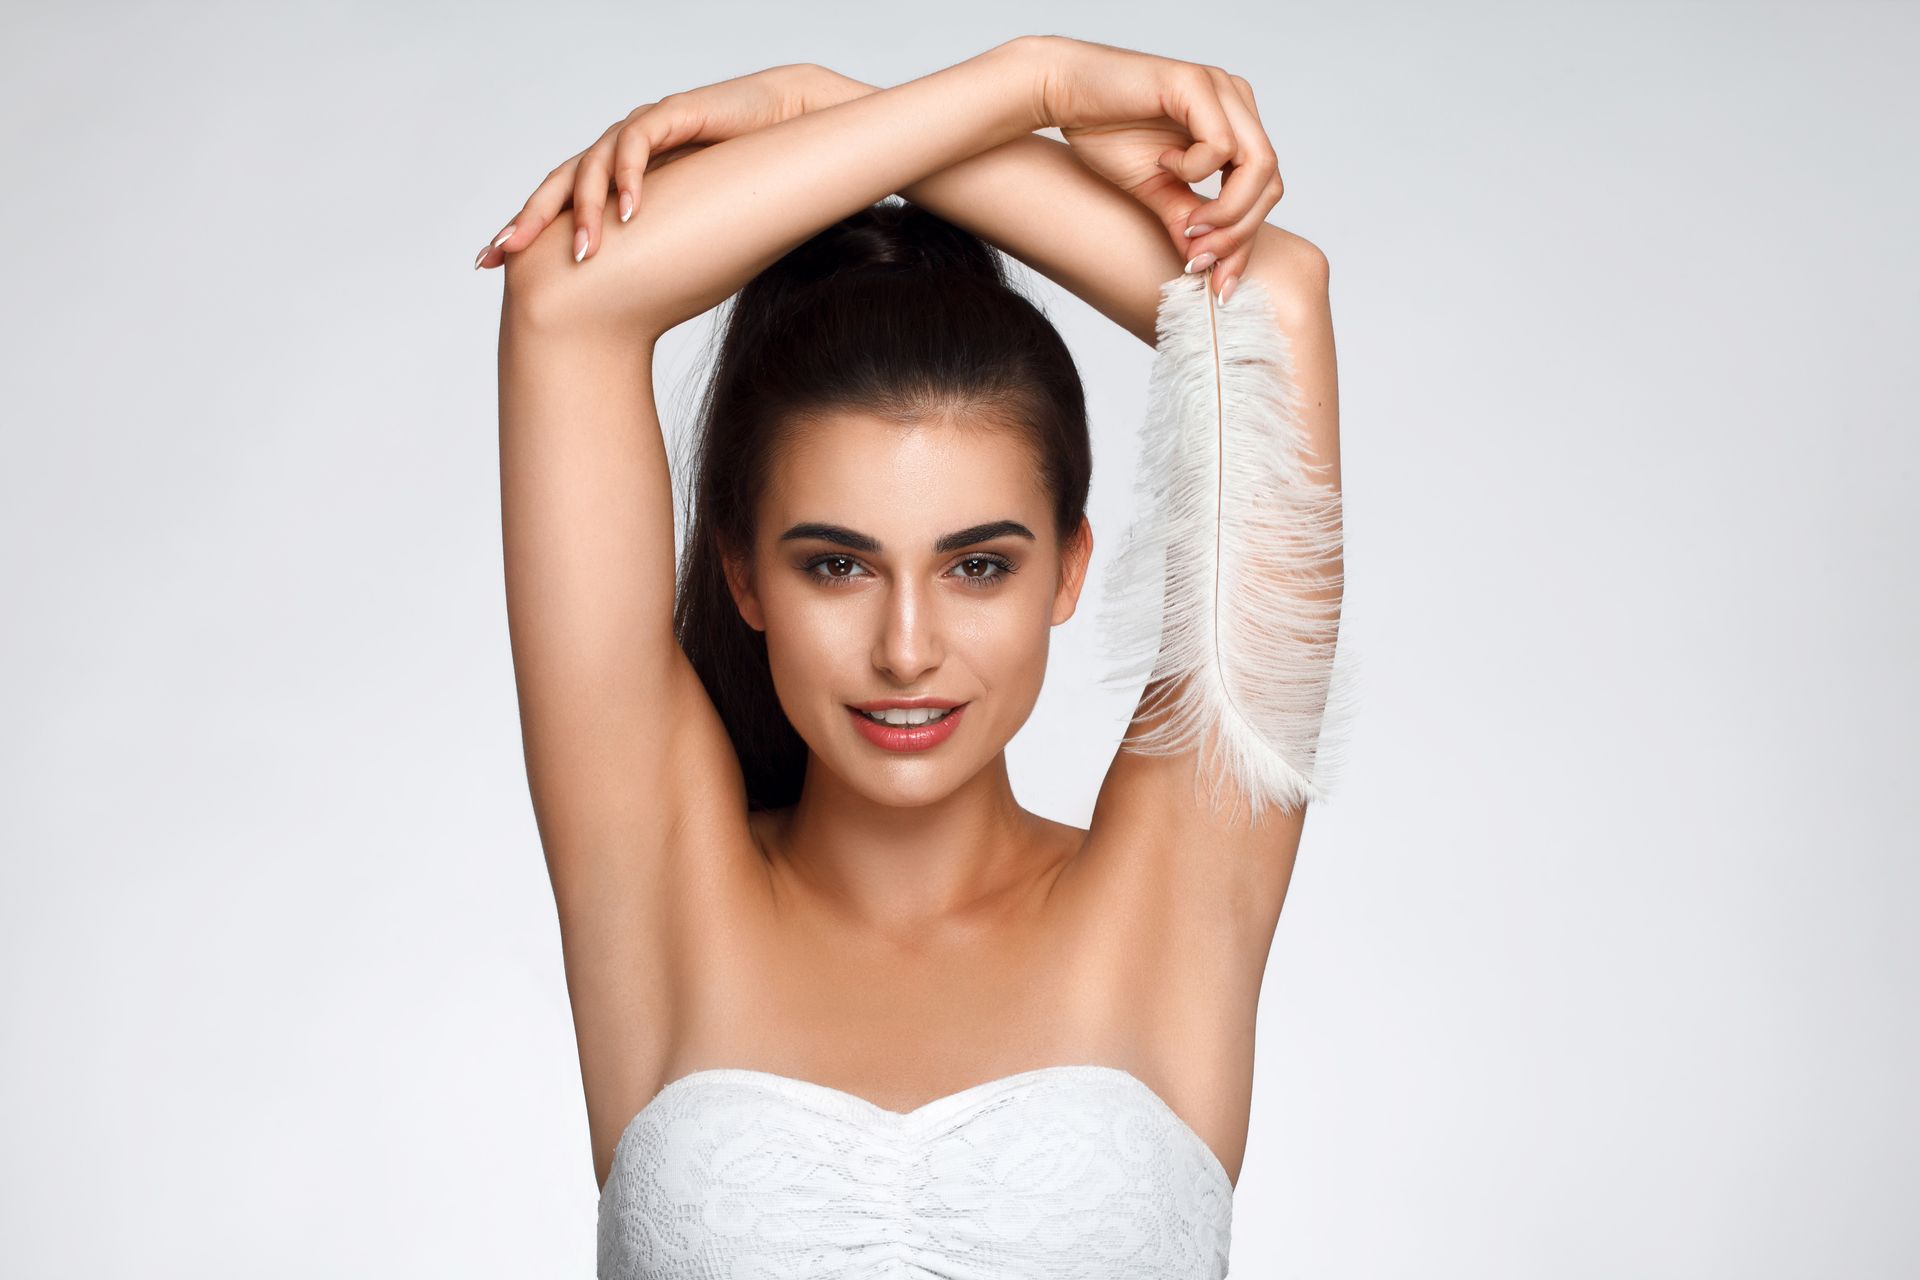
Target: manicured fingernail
1199,229
626,205
503,237
1226,290
483,253
579,244
1200,263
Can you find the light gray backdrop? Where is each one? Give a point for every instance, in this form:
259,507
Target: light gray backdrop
1601,965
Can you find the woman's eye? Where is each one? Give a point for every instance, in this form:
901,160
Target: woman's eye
975,571
984,570
833,564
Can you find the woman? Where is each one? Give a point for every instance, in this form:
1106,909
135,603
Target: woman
844,1007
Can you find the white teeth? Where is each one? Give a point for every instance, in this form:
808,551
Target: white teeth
907,715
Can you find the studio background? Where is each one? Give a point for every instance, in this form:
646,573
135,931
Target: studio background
1600,964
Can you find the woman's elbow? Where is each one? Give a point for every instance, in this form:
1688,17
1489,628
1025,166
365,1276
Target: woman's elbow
537,280
546,288
1294,271
1291,266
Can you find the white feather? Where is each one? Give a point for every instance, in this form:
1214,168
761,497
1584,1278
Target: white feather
1223,593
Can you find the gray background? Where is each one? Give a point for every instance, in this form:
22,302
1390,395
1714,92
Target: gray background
1599,965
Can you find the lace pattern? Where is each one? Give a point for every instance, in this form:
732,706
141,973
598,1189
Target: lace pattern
1061,1173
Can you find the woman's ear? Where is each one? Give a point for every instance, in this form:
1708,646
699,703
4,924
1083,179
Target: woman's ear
1075,554
739,574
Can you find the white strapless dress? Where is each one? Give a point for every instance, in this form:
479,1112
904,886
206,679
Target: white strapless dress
1066,1171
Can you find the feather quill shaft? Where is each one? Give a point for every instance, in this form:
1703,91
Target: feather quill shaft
1225,594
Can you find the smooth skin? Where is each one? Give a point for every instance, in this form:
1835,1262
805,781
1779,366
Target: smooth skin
907,929
1144,158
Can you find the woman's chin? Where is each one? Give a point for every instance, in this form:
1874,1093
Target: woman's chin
910,779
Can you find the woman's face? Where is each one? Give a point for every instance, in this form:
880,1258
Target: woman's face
902,561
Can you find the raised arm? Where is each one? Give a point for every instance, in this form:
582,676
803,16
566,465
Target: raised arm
1034,199
630,769
628,764
1149,125
714,219
620,737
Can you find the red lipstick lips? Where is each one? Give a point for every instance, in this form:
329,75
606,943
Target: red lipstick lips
906,737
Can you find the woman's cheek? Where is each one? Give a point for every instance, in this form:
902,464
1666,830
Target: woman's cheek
817,655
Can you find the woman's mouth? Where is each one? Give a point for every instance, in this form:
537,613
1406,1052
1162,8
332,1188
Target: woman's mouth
907,728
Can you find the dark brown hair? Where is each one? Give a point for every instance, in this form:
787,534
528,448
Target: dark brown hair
894,311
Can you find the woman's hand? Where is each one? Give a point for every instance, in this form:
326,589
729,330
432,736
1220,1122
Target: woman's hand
658,133
1152,126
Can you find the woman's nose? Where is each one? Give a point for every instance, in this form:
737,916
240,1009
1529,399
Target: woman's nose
908,644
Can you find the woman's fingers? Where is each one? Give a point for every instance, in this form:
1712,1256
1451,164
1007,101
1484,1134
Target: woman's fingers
1201,113
542,207
1232,246
1250,187
618,159
1246,232
1253,162
1217,113
655,134
590,181
631,151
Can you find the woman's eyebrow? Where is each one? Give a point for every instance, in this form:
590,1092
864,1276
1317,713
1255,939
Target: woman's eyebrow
840,535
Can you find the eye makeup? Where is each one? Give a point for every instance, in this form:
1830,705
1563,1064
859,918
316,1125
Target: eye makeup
1002,566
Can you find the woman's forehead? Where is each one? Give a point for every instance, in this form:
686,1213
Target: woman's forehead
916,475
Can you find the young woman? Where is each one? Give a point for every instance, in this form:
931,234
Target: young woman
844,1007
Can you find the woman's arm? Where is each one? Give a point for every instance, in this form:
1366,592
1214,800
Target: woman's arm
1034,199
712,220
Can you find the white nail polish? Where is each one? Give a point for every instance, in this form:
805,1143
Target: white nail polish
503,237
580,244
1200,263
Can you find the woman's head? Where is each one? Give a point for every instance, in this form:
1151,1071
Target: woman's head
888,497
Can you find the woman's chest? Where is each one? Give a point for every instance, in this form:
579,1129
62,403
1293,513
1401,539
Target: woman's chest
897,1021
918,1017
1070,1171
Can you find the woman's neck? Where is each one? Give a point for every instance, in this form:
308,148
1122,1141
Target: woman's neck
901,868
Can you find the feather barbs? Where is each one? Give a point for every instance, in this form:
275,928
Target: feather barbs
1226,592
